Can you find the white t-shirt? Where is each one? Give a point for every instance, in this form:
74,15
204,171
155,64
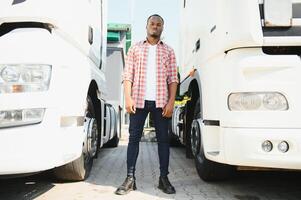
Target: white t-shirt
151,76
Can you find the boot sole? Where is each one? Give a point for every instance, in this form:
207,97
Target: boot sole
126,192
162,189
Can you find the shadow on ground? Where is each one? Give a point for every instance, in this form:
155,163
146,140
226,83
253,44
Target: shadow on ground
25,188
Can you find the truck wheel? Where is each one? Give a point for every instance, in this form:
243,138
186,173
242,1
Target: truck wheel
195,136
189,107
207,169
174,141
79,169
115,140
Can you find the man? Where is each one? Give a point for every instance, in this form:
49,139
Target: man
150,84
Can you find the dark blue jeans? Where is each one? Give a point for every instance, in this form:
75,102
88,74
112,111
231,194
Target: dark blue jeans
137,121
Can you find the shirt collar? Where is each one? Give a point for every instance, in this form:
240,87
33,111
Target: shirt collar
159,42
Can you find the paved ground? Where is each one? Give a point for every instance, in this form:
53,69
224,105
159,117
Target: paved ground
109,172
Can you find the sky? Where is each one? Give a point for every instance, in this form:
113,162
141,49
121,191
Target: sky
136,12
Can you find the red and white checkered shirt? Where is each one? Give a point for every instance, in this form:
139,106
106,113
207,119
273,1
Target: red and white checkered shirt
135,69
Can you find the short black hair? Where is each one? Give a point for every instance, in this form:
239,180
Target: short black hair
155,15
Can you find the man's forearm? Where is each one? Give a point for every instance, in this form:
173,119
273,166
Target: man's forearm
127,88
172,88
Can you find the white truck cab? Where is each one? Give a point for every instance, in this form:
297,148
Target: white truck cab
53,87
240,66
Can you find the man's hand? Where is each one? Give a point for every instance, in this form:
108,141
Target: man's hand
130,105
168,109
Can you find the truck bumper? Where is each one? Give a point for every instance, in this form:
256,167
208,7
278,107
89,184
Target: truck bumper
243,147
39,147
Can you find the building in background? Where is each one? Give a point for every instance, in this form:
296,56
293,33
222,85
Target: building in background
118,43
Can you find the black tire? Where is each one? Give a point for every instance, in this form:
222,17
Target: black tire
174,140
207,169
79,169
189,107
113,143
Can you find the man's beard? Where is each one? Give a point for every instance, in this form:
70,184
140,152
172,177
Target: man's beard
155,35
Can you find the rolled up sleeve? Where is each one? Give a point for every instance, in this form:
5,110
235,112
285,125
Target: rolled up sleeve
128,72
172,69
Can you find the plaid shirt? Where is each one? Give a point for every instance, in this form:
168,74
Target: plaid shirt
135,69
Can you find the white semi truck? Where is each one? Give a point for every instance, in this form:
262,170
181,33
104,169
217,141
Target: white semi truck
54,112
240,67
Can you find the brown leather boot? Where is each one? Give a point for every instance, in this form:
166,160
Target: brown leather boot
128,185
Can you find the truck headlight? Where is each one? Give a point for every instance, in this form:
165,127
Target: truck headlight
24,78
10,74
9,118
256,101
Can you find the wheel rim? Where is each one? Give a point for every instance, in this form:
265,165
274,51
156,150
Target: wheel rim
92,133
195,137
91,130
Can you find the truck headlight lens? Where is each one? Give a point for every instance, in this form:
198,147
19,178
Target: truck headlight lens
10,74
9,118
275,101
256,101
24,78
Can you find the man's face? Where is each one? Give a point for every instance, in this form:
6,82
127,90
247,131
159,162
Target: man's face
154,27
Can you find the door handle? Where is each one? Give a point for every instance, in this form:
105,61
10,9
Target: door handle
90,35
197,45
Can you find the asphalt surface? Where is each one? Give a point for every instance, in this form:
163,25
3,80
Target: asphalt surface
110,168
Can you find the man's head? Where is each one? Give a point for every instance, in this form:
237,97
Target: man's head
154,26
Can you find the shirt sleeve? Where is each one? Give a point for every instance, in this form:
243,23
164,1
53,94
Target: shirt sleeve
172,75
128,72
